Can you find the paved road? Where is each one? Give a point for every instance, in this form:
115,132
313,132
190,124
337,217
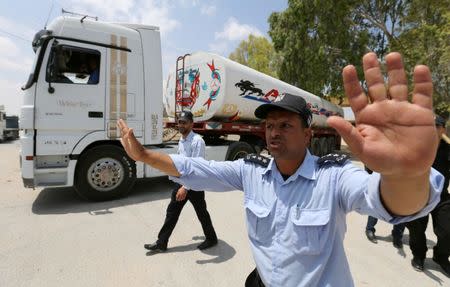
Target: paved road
49,237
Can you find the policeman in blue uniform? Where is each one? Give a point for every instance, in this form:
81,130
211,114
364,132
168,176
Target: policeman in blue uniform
296,203
190,145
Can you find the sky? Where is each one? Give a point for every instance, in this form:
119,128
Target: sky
186,26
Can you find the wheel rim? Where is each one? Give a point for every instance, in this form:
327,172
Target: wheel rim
105,174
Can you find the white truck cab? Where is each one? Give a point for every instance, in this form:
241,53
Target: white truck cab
86,75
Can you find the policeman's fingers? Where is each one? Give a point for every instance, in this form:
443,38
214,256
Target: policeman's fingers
349,133
355,94
423,87
123,127
374,78
398,84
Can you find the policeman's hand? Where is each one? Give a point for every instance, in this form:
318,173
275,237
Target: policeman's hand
181,194
129,142
392,136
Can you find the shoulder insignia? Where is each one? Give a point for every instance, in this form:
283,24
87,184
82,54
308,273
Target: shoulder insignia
332,159
258,159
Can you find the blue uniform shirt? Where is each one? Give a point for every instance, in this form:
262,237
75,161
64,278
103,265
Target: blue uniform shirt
192,146
296,226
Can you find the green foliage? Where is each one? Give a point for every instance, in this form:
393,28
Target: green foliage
425,39
257,53
317,38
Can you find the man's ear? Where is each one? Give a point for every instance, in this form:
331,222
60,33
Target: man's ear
308,135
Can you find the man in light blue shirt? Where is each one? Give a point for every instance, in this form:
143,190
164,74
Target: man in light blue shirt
190,145
296,203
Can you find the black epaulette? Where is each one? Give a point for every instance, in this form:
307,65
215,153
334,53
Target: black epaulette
332,158
258,159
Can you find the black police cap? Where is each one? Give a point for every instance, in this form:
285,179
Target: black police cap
186,116
288,102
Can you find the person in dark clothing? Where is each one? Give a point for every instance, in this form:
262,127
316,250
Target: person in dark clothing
441,215
190,145
397,229
94,70
397,232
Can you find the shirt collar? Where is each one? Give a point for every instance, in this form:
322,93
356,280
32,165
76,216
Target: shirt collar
307,169
189,137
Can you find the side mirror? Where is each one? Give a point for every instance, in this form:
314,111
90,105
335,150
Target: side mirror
51,73
51,90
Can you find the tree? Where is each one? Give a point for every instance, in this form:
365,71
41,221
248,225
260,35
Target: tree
425,39
257,53
317,38
420,30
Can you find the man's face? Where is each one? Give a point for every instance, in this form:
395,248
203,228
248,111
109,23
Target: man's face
286,137
184,127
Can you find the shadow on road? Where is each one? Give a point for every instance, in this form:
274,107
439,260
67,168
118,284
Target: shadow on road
64,200
405,239
431,265
221,252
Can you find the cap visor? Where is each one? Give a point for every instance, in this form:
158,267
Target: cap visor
262,111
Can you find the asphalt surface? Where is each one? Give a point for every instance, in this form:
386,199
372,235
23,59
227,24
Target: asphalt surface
49,237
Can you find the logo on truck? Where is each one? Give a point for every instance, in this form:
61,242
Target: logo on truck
250,91
214,85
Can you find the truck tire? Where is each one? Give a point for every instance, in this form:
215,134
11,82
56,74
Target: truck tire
238,150
104,173
323,146
331,144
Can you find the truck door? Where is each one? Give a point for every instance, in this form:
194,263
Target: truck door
70,93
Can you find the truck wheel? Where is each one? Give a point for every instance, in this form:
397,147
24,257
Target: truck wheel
331,144
104,173
323,146
238,150
315,146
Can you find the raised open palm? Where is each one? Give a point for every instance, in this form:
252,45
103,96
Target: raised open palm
392,136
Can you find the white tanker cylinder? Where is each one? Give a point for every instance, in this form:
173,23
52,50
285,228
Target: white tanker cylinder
220,90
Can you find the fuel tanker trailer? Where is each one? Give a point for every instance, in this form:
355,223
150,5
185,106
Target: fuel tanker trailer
223,95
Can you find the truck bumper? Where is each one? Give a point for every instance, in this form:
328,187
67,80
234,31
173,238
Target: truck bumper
28,182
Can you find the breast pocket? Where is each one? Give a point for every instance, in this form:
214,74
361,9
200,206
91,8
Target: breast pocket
310,230
259,223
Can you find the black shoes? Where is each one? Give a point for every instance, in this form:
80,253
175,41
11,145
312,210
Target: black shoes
444,263
417,264
156,247
397,242
371,236
207,244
